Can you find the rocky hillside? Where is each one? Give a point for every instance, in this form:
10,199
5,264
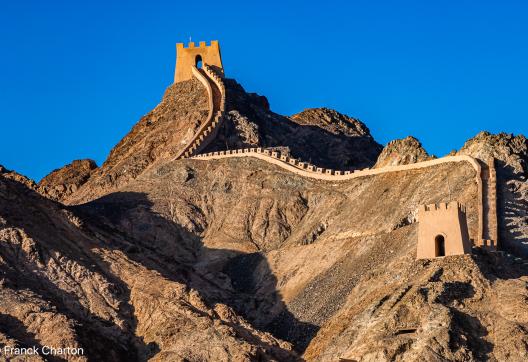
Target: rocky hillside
511,153
240,260
402,152
322,136
63,182
67,282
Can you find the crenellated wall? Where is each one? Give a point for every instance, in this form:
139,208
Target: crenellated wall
308,170
216,98
486,215
446,221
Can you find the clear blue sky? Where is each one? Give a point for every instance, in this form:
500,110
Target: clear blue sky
77,75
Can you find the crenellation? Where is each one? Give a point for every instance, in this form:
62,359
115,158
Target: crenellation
441,231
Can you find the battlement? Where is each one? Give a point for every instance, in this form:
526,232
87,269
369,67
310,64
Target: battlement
201,45
192,55
442,230
453,205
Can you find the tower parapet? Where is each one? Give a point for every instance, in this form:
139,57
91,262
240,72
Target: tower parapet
191,55
442,230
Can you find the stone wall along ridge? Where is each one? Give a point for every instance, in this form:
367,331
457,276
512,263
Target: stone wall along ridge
209,129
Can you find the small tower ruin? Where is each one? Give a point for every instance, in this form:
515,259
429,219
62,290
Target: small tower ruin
442,231
194,55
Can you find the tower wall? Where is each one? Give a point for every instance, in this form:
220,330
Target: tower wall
447,220
186,58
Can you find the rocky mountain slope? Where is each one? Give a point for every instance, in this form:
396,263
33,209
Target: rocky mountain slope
63,182
511,153
238,259
402,152
323,136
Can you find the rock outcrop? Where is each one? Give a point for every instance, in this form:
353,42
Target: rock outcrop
402,152
511,153
63,182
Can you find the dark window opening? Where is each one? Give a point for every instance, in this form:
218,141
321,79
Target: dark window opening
405,331
198,61
439,245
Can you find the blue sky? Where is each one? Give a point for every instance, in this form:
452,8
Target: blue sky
77,75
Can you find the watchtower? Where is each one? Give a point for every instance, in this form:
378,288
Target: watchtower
192,55
442,231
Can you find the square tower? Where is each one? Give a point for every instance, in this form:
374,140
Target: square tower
193,55
442,231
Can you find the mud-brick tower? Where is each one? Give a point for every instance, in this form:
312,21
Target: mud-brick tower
442,231
193,55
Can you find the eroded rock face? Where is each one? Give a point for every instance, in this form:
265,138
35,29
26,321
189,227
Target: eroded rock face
63,182
332,121
67,282
320,135
402,152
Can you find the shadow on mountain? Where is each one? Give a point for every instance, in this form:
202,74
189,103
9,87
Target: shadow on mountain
15,329
101,339
511,203
162,245
249,117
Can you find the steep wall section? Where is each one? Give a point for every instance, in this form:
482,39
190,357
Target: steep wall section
511,163
158,136
209,129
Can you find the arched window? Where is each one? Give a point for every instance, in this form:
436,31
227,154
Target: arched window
198,61
439,245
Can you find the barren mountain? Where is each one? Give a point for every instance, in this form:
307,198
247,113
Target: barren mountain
402,152
63,182
238,259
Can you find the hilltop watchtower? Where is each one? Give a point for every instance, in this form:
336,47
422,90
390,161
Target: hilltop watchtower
196,55
442,231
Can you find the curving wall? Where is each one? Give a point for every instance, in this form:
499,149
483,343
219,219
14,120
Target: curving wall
484,176
308,170
209,129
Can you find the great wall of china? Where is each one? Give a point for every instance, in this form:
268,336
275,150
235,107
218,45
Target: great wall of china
485,174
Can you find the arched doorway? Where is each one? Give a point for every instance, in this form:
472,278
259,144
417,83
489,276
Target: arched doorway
439,245
198,61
